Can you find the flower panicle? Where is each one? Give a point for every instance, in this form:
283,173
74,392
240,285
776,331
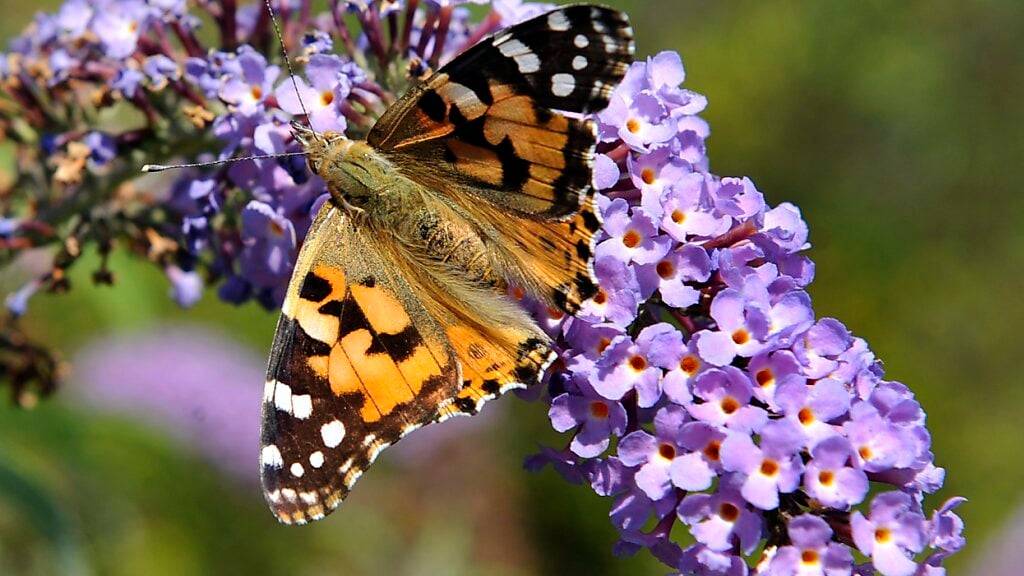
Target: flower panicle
702,393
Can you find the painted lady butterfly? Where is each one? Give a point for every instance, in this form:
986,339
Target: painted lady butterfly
396,315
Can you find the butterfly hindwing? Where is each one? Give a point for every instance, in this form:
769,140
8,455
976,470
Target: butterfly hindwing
357,363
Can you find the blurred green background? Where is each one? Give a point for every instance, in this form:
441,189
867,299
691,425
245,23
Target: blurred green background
897,127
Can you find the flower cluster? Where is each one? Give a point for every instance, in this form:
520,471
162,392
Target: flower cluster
700,390
139,70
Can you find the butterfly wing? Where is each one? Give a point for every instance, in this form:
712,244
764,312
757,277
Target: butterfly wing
357,362
373,343
484,124
483,131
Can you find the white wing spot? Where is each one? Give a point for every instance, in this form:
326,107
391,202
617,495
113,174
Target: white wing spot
316,459
526,60
562,84
308,497
297,470
332,433
288,494
579,62
581,41
270,456
558,22
302,406
283,397
609,44
346,466
370,438
599,26
376,449
268,390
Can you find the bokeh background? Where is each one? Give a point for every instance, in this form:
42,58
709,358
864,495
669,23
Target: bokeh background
897,127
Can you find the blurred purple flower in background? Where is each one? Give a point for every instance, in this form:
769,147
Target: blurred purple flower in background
696,389
194,385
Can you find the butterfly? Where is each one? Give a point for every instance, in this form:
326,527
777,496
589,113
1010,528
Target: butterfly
397,313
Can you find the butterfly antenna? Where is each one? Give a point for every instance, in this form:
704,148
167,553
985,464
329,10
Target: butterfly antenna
162,167
288,64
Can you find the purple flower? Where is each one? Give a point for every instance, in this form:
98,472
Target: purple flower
631,235
119,29
597,419
688,263
726,394
722,520
656,454
252,83
769,469
892,534
269,245
830,479
742,323
328,87
812,408
811,551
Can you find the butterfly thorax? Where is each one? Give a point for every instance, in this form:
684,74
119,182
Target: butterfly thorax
360,179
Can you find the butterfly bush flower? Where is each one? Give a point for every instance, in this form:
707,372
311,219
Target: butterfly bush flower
757,427
697,390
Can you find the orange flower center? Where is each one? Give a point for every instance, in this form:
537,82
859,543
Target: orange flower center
601,297
713,450
809,557
689,364
826,477
883,535
633,125
667,451
741,336
602,344
256,92
769,467
631,238
648,176
865,452
638,363
678,216
764,377
730,404
806,416
728,511
599,410
276,228
665,269
555,313
327,97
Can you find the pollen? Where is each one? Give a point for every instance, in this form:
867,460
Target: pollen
713,450
689,364
678,216
769,467
599,410
648,176
633,125
826,477
865,452
809,557
883,535
764,377
631,238
256,92
667,451
728,511
666,269
730,405
741,336
638,363
327,97
806,416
